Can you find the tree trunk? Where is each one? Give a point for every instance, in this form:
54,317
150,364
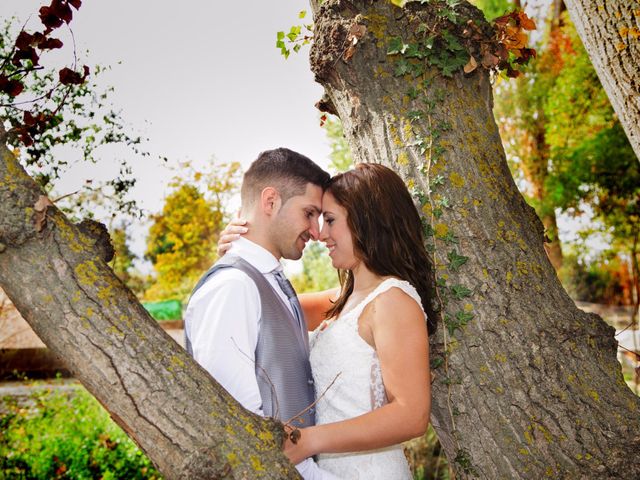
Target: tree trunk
552,241
529,385
535,167
186,423
610,31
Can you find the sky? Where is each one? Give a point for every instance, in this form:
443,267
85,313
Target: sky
200,78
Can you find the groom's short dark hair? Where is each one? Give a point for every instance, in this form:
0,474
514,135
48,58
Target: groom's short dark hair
285,170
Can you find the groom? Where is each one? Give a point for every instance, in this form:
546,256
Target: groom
244,323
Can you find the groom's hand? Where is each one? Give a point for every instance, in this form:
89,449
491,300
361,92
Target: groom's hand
234,229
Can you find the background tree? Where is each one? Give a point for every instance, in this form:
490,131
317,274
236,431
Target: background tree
317,272
340,155
182,239
123,261
511,398
610,34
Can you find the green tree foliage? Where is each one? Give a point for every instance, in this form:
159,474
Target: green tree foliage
123,261
66,434
493,8
317,272
564,141
341,158
182,239
593,163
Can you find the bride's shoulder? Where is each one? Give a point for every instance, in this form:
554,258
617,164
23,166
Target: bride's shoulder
397,298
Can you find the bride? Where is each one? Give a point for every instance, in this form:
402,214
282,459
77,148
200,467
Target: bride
369,348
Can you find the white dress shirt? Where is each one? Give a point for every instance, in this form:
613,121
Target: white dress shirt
223,320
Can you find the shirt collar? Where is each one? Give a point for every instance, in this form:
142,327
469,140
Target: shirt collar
256,255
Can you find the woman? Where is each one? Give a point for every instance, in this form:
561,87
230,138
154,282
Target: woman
369,354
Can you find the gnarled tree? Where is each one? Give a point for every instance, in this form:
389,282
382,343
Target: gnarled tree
610,31
529,385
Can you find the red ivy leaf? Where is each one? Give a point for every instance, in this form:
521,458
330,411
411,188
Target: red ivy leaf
526,22
49,44
49,19
75,3
69,77
511,73
28,53
61,9
13,88
23,134
24,40
28,119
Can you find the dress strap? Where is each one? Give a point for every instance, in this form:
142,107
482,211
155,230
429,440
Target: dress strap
385,285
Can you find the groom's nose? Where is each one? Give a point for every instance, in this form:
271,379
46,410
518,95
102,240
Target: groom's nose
314,229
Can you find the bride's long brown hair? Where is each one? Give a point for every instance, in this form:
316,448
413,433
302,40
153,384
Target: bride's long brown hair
387,232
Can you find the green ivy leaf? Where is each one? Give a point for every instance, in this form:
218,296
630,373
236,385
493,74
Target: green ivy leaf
455,260
402,68
436,362
414,115
460,291
437,180
396,45
413,51
450,238
302,14
464,317
428,230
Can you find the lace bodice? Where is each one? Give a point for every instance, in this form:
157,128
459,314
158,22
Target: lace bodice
349,382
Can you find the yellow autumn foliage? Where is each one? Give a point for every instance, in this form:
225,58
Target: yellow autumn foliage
182,239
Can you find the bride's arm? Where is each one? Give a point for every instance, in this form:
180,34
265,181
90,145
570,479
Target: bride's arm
314,305
400,336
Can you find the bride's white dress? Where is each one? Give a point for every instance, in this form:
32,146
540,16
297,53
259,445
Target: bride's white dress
339,349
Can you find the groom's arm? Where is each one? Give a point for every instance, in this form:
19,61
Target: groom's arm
223,321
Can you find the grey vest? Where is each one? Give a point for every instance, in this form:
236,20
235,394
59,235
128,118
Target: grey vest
282,364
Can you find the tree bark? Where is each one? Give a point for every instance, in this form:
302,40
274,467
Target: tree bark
529,386
187,424
610,31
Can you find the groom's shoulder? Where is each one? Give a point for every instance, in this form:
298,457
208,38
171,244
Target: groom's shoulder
227,280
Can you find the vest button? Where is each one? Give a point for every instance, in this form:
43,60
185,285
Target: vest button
310,381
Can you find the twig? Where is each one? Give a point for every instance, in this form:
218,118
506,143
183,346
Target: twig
273,388
316,401
631,351
65,196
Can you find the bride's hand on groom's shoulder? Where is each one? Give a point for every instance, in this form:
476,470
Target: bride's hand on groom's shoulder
234,230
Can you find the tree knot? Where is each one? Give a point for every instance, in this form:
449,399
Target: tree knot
99,234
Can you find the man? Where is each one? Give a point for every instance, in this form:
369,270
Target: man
243,323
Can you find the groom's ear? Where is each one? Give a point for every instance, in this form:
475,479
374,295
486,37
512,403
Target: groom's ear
270,201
